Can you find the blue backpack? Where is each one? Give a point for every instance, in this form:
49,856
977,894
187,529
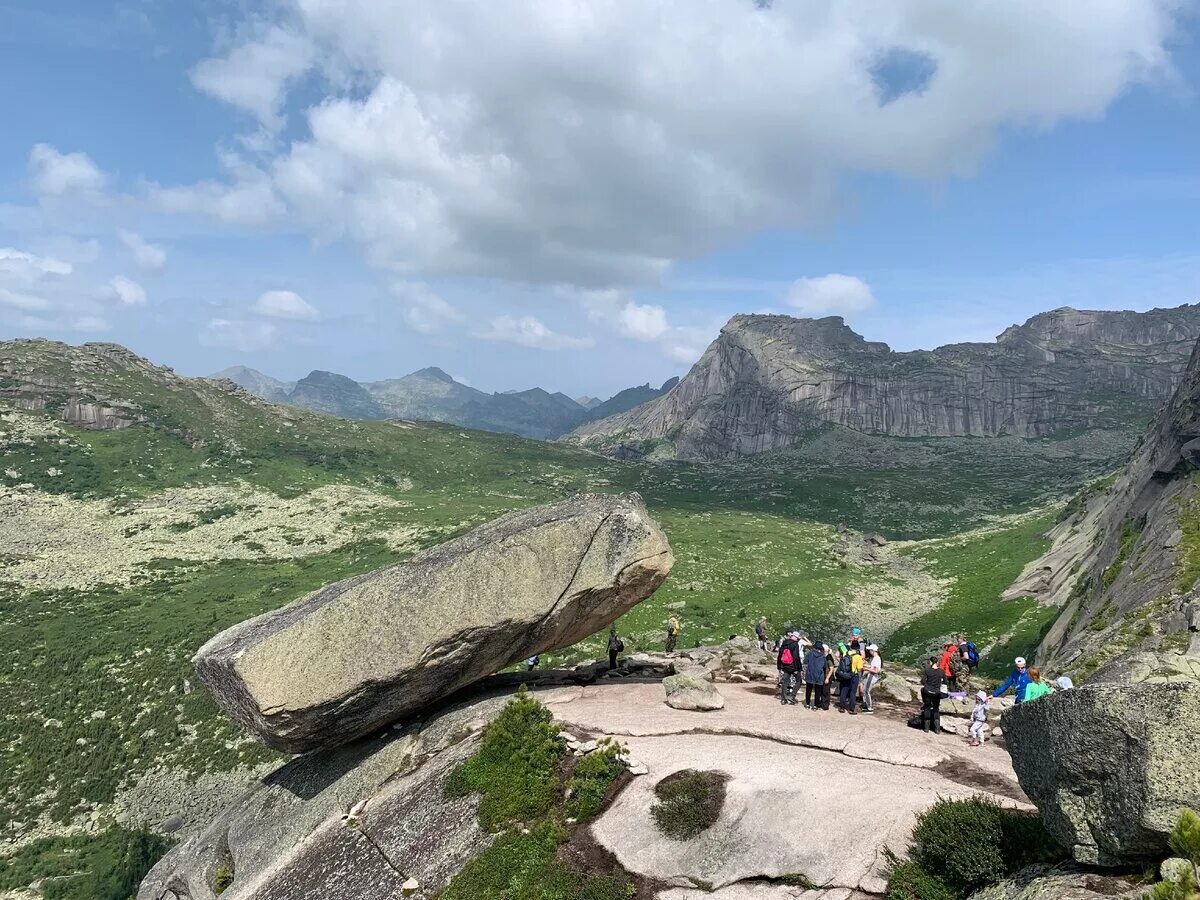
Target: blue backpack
972,654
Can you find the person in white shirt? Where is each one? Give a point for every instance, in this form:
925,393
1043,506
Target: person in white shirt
873,670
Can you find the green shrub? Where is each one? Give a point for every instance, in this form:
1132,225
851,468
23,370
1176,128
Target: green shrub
591,780
1185,836
689,803
961,845
525,867
106,866
514,766
222,879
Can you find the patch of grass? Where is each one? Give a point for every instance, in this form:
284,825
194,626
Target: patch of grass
526,867
590,781
981,569
518,772
1187,555
105,866
1129,536
689,803
514,767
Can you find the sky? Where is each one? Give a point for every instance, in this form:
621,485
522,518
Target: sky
577,194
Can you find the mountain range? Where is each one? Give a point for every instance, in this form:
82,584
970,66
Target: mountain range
768,380
431,394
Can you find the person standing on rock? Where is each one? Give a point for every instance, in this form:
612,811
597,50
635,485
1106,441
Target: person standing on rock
979,718
831,662
849,673
674,626
1018,680
960,674
763,635
814,676
933,679
873,671
788,663
1037,687
615,646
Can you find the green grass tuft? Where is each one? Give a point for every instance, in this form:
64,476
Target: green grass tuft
689,803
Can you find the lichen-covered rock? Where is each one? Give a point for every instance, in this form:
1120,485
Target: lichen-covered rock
1110,766
1061,883
371,650
688,691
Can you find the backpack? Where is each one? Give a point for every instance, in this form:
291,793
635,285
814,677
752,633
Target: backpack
845,669
972,654
786,658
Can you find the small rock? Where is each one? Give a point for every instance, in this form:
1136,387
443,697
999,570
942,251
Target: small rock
588,747
739,678
1175,869
1172,542
410,887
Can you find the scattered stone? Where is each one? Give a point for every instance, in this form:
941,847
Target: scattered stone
362,653
410,887
686,691
587,747
1175,869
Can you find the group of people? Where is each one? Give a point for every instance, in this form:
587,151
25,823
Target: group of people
852,669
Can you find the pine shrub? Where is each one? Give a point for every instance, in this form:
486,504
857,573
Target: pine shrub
690,803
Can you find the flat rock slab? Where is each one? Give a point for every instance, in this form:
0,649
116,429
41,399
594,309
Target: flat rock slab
786,765
365,652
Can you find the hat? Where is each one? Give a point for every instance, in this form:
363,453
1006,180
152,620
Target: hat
873,647
856,631
981,695
793,633
1020,661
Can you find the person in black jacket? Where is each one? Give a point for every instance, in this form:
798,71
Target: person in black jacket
615,646
932,680
788,662
814,676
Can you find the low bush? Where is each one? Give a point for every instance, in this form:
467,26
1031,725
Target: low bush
690,803
514,766
591,779
960,846
105,866
1185,840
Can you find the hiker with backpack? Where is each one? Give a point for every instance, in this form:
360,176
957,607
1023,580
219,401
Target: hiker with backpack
933,681
788,663
615,646
969,652
814,676
849,672
674,626
764,639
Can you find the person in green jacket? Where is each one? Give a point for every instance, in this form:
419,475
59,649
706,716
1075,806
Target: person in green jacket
1038,686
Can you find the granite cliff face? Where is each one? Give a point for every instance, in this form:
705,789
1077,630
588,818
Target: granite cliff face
1125,560
766,380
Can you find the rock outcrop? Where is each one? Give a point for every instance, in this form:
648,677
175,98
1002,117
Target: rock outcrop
1125,558
372,650
688,691
1110,766
766,380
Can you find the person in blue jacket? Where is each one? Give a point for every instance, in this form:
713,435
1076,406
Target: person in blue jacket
1019,680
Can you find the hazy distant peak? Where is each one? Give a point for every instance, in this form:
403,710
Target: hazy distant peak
435,373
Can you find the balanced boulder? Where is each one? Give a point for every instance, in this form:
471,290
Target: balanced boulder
374,649
1109,767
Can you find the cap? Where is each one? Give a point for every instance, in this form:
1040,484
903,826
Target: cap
794,633
872,647
981,695
1020,661
856,631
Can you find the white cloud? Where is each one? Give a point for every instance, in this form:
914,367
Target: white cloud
643,323
56,174
425,310
832,294
238,334
89,323
127,291
18,265
599,175
254,75
528,331
149,257
285,305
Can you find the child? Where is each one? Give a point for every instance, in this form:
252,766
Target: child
979,718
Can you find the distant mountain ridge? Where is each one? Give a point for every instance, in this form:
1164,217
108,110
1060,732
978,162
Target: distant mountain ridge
767,380
431,394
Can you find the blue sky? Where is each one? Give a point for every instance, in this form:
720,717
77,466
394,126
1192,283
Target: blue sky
578,195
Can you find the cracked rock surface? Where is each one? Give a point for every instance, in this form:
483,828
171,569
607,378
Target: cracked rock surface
381,647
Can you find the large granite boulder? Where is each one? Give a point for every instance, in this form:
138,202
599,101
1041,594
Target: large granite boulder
1110,766
1065,882
372,650
688,691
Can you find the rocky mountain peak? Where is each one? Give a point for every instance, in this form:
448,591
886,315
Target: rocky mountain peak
435,373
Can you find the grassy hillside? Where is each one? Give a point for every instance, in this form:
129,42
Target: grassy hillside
121,551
